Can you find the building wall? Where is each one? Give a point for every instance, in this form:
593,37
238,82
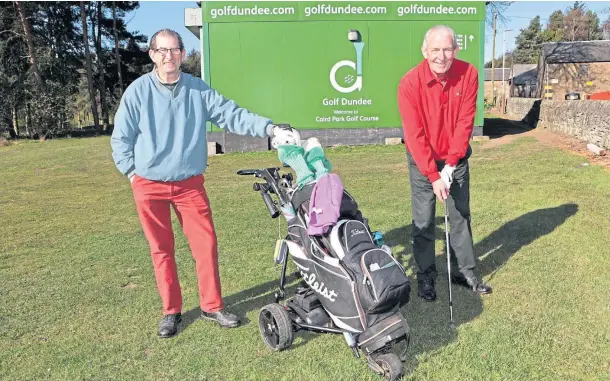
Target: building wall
524,90
587,120
527,109
583,78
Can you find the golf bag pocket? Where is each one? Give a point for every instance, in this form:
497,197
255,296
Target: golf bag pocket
380,280
384,283
349,238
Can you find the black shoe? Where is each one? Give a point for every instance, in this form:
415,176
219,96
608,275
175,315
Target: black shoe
222,317
426,289
473,283
169,325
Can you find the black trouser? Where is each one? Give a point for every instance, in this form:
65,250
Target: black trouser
423,206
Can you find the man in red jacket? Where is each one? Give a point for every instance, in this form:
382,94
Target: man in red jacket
437,103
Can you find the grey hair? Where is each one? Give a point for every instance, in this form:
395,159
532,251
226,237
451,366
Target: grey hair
435,28
166,32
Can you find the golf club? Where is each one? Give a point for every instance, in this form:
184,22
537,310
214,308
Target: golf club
448,267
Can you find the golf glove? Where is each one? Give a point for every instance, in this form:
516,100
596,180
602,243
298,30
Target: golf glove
284,136
447,175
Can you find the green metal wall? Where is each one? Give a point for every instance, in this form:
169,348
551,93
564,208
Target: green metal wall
280,66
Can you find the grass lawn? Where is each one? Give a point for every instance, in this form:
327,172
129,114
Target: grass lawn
79,300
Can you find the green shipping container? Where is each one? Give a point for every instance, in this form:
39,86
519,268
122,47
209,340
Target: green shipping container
295,63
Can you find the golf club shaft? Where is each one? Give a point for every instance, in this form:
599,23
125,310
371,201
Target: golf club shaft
448,264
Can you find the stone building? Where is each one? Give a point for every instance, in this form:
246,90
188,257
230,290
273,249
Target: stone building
523,81
573,69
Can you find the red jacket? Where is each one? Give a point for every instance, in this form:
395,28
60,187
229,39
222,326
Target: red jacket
437,121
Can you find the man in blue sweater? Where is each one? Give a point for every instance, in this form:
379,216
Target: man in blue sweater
159,143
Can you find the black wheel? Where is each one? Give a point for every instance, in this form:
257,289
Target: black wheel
390,365
275,326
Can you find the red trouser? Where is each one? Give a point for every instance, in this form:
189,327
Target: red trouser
191,204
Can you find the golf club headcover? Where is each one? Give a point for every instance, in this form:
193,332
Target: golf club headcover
293,156
315,158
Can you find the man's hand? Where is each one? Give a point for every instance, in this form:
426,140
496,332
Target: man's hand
284,135
131,178
447,175
440,190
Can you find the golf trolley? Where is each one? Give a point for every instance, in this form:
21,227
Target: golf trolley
349,285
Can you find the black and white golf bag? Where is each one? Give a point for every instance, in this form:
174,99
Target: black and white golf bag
360,285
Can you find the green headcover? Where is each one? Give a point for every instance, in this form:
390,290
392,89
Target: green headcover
317,162
293,155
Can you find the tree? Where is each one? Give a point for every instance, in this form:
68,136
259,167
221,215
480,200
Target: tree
50,69
96,21
555,29
59,44
112,31
28,37
192,63
498,8
529,43
116,48
89,68
13,68
48,43
508,60
595,31
606,29
35,109
576,23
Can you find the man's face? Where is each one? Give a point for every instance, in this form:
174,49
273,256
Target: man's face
440,52
167,56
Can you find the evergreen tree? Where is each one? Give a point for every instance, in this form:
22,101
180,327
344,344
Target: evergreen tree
529,43
555,29
192,63
595,30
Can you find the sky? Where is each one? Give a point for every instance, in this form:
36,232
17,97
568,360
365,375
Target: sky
521,13
155,15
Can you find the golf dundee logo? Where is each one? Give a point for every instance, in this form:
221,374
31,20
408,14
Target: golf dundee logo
356,83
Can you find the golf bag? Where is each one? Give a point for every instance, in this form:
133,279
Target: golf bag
357,282
350,286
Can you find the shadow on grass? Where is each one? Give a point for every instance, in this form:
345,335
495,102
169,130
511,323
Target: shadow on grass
252,299
430,321
498,127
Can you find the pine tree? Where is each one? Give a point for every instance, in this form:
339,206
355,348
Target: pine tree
595,31
529,43
555,29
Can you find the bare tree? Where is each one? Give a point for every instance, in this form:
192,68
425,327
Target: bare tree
96,21
83,16
576,23
495,14
116,49
30,42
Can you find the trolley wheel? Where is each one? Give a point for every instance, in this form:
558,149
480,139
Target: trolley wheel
390,365
275,326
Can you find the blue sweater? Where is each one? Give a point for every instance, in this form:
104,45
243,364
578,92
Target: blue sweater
161,134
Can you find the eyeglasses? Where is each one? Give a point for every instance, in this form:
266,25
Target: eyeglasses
163,51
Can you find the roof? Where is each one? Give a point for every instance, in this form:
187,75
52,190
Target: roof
522,68
497,74
576,51
524,74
